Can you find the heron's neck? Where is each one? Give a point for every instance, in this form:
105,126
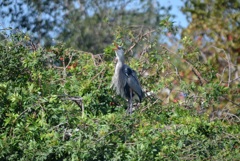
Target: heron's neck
121,60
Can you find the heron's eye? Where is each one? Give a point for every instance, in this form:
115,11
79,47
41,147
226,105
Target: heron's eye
120,48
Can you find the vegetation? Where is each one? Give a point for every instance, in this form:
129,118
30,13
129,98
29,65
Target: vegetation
57,104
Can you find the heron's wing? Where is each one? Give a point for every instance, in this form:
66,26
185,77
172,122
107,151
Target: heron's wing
132,81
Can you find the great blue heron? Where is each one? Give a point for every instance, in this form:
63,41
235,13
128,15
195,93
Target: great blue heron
125,80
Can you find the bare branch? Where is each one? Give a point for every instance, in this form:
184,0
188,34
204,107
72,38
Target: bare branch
197,73
78,100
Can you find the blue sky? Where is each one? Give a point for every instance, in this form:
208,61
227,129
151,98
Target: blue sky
180,19
176,5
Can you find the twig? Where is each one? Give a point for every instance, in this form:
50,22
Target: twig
78,100
158,99
58,125
139,38
222,75
108,134
231,101
229,70
228,60
197,73
97,57
20,115
97,74
231,136
176,71
101,80
70,60
232,115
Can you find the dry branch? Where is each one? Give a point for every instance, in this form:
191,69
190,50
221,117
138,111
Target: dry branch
78,100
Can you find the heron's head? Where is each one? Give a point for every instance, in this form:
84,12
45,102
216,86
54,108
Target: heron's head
119,52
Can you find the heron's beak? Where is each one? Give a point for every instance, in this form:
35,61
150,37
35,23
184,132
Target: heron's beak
116,46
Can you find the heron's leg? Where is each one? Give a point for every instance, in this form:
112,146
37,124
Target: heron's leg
128,109
130,102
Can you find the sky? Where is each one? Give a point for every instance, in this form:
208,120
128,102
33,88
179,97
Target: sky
180,19
176,6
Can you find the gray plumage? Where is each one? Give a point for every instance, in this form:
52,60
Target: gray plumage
125,81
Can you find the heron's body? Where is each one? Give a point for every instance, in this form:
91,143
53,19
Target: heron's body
125,81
